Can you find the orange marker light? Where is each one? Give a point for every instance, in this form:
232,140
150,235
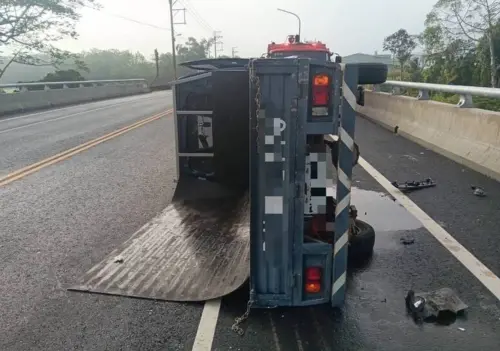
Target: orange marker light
312,283
321,80
313,288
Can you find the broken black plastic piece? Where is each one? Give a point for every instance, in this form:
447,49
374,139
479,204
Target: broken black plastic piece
414,185
416,306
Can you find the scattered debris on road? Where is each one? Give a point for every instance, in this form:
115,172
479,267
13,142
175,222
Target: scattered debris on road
119,259
414,185
407,240
478,191
461,329
441,306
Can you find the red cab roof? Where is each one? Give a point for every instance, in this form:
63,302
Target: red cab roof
308,46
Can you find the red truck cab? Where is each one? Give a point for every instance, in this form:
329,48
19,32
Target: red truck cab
294,47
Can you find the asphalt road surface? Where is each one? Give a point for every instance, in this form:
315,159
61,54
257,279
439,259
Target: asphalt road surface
58,222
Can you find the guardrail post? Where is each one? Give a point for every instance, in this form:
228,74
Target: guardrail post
395,90
465,101
46,87
423,94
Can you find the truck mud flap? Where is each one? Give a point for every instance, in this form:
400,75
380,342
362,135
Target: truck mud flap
197,249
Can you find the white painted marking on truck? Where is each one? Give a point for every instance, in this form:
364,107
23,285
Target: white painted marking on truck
349,96
340,282
206,329
346,139
339,244
343,204
476,267
344,179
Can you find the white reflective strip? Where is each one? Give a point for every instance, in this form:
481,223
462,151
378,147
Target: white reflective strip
342,205
331,137
349,96
344,179
346,139
339,244
199,154
338,283
176,133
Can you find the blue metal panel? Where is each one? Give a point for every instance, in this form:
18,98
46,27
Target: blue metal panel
279,147
344,177
272,181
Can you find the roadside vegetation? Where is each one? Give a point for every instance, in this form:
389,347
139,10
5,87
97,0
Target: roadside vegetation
460,45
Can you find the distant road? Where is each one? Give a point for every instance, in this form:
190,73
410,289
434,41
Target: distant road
28,138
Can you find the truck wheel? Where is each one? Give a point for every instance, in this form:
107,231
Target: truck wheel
372,73
361,243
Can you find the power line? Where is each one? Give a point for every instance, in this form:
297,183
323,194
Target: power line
196,16
126,18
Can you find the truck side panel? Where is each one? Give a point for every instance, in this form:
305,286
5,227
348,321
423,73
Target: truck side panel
273,182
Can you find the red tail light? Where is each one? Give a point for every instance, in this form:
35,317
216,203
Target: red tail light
321,90
313,280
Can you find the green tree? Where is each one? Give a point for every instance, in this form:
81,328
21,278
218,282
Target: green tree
193,49
469,20
117,64
69,75
401,45
30,28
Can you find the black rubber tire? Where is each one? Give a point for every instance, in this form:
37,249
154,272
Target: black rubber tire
372,73
361,244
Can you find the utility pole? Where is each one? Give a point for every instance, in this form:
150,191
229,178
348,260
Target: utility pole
157,61
217,41
172,32
233,51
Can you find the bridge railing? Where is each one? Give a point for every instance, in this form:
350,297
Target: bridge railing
19,97
24,87
466,135
464,92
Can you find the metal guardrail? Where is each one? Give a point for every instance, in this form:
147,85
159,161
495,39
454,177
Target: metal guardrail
65,85
465,92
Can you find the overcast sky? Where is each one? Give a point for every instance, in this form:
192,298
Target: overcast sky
347,26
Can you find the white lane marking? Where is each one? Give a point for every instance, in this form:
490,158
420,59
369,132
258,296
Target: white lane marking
122,100
476,267
206,328
59,118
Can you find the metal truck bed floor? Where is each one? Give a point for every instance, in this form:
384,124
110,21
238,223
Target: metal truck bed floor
195,250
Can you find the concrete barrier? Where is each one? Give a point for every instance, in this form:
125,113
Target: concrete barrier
469,136
26,100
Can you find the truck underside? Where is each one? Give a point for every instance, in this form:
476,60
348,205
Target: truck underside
195,250
232,167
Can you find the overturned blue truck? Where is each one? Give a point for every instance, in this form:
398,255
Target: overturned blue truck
259,143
